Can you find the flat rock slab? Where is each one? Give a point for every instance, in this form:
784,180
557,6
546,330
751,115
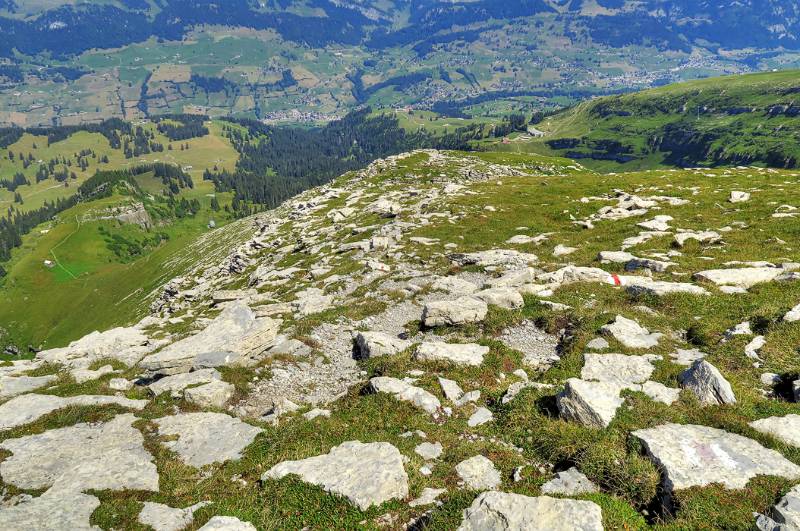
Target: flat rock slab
631,334
55,510
456,353
179,382
478,473
230,338
29,408
745,278
165,518
206,438
500,511
695,456
375,344
463,310
617,368
227,523
569,482
17,385
127,345
366,474
406,392
786,429
107,456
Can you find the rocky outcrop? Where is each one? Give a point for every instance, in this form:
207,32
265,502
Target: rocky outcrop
509,512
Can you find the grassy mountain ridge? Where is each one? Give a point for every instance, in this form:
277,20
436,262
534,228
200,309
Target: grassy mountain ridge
739,120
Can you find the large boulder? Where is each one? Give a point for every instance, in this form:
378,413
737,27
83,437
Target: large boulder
456,353
500,511
707,383
463,310
696,456
592,404
366,474
234,337
376,344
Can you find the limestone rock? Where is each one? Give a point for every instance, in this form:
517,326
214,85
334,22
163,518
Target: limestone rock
452,391
385,208
645,286
55,510
708,236
507,258
707,383
127,345
454,285
744,278
691,455
29,408
235,334
563,250
659,392
85,375
478,473
786,429
428,450
406,392
480,417
597,343
570,482
686,356
792,315
456,353
591,403
366,474
460,311
631,334
375,344
107,456
507,298
311,301
214,394
165,518
513,279
227,523
499,511
205,438
617,368
785,516
17,385
120,384
739,197
427,497
179,382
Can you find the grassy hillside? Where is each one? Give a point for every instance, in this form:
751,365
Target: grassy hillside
739,120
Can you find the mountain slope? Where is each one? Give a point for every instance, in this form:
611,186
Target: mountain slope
740,120
269,331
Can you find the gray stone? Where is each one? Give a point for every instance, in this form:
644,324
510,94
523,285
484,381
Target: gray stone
366,474
659,288
452,391
311,301
55,510
85,375
234,333
120,384
499,511
227,523
507,298
454,285
427,497
478,473
513,279
591,403
376,344
659,392
165,518
570,483
107,456
507,258
468,397
744,278
463,310
785,516
707,383
708,236
177,383
428,450
792,315
597,343
480,417
126,345
17,385
406,392
631,334
290,347
29,408
696,456
785,429
456,353
316,412
206,438
687,356
617,368
214,394
739,197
